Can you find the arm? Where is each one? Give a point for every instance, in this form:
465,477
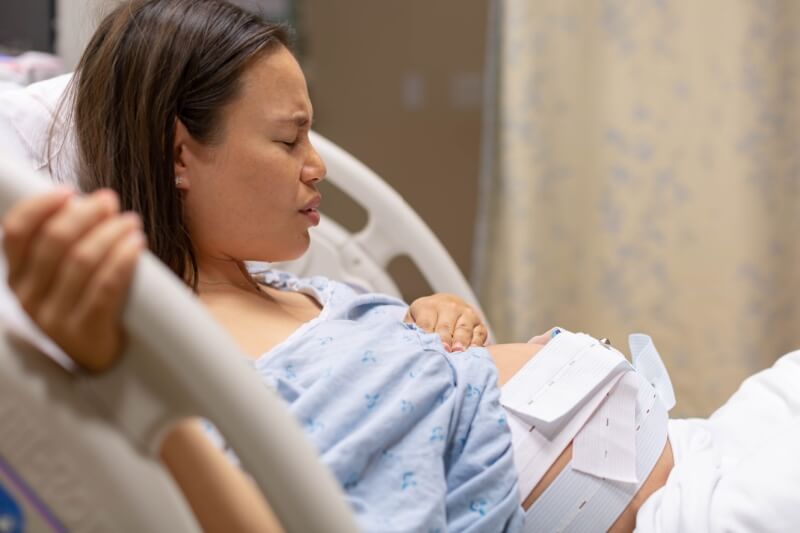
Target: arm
70,264
222,497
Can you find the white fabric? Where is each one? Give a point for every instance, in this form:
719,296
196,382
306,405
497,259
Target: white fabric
740,469
26,115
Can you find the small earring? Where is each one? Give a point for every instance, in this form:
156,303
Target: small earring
180,181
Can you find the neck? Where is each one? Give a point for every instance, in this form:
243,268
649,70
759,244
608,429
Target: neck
215,274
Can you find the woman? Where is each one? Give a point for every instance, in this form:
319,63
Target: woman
197,116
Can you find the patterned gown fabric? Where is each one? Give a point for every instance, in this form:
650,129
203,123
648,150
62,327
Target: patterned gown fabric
416,436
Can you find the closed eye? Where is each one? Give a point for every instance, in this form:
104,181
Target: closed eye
290,144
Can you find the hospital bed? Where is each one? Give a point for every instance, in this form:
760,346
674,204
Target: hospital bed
78,452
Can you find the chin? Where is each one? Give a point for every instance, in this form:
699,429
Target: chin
290,253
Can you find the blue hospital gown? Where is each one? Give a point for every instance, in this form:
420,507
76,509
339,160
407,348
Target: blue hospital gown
415,436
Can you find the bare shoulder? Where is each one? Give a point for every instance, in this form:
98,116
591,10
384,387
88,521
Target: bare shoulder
509,358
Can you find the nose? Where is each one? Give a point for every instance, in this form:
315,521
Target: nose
314,170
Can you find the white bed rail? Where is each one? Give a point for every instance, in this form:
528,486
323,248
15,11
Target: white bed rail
178,362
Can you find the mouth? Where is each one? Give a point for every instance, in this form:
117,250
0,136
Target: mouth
310,210
313,204
312,215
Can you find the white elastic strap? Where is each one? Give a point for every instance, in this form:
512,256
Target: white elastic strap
648,362
551,398
547,388
576,501
606,446
534,453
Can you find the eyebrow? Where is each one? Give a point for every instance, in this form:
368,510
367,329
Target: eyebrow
299,119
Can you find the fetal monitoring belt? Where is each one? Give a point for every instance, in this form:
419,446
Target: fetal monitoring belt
578,389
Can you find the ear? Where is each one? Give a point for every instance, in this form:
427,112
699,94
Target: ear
181,155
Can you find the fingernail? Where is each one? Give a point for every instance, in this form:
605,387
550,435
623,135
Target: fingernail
458,347
447,347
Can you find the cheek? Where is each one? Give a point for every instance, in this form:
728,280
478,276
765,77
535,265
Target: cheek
255,226
245,206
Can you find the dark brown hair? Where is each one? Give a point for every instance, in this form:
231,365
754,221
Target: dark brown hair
149,63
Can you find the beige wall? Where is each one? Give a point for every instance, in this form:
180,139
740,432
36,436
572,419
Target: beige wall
398,84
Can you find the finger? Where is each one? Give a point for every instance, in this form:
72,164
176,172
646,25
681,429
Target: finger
480,335
445,327
83,260
424,317
57,236
462,336
24,220
544,338
105,297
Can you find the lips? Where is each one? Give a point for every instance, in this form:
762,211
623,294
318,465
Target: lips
312,204
310,210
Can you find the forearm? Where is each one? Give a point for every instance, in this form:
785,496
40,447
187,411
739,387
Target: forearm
222,497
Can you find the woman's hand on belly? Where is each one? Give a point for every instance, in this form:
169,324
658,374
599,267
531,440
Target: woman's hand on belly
457,323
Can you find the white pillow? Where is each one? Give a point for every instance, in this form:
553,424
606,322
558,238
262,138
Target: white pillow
26,115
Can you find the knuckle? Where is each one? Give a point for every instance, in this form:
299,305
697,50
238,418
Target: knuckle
107,285
452,306
49,320
55,234
81,257
470,313
74,329
13,229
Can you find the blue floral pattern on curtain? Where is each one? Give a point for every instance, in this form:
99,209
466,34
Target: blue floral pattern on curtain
645,176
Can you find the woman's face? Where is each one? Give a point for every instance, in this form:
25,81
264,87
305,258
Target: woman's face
251,194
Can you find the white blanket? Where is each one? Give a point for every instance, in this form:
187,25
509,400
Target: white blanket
739,470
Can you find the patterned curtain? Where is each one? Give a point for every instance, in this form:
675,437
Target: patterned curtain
642,173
